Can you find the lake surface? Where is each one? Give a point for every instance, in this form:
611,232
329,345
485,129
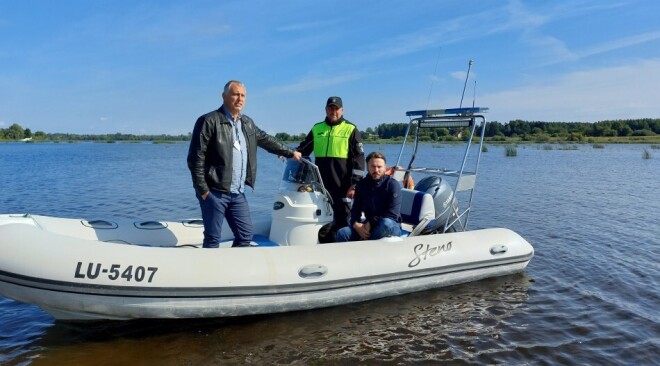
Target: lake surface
589,296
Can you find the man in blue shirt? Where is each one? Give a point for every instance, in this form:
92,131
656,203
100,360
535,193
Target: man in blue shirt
222,159
378,196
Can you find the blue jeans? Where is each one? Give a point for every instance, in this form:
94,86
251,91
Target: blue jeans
215,208
385,227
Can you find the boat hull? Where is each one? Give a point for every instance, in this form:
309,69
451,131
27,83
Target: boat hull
81,278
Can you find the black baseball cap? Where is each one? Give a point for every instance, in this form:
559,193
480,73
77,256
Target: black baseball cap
335,101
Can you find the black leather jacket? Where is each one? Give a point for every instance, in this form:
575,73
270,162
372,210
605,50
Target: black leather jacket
210,151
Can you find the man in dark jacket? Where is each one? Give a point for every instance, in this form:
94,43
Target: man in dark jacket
338,152
222,159
378,196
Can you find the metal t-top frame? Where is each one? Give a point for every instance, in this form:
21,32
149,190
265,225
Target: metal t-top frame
464,179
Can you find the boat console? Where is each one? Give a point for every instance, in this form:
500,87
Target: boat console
301,205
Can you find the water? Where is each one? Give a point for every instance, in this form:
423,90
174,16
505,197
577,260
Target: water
589,296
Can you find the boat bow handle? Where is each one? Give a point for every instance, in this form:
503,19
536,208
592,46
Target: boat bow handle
313,271
498,249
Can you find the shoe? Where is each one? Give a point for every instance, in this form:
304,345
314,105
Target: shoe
246,245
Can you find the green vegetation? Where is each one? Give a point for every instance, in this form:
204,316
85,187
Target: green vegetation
646,130
17,133
283,136
510,150
646,154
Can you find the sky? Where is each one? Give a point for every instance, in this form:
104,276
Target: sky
153,67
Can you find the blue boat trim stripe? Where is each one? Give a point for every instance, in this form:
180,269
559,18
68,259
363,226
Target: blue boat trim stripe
213,292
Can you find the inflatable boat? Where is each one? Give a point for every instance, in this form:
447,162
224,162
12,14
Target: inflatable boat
84,269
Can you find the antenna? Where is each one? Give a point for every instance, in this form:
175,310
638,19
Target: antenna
435,73
465,84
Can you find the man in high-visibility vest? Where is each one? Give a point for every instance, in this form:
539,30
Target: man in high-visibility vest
338,152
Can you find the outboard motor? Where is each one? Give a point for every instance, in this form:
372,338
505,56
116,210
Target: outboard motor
301,206
442,194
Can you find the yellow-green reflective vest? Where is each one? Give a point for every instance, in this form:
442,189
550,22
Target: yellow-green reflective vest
332,141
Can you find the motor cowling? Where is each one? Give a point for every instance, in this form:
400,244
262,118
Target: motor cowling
443,201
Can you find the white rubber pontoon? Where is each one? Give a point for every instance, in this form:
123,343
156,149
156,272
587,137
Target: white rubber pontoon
80,269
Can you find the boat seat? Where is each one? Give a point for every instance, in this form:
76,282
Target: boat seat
264,241
417,209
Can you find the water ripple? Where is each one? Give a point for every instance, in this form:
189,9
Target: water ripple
589,296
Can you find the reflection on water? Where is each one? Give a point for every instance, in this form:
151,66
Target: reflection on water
432,325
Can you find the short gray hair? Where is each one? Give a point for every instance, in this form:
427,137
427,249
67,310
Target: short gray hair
226,89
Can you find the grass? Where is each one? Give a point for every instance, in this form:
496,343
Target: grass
646,154
510,150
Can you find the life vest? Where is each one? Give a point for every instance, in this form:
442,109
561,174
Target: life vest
410,184
332,141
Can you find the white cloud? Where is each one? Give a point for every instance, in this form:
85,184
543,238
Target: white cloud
307,26
314,83
621,43
460,75
620,92
554,51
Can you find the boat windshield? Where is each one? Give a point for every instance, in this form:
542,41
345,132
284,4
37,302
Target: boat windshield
301,176
298,172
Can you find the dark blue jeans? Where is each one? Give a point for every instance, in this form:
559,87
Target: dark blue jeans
385,227
234,207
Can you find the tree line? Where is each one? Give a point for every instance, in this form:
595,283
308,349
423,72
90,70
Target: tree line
17,133
527,130
495,131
